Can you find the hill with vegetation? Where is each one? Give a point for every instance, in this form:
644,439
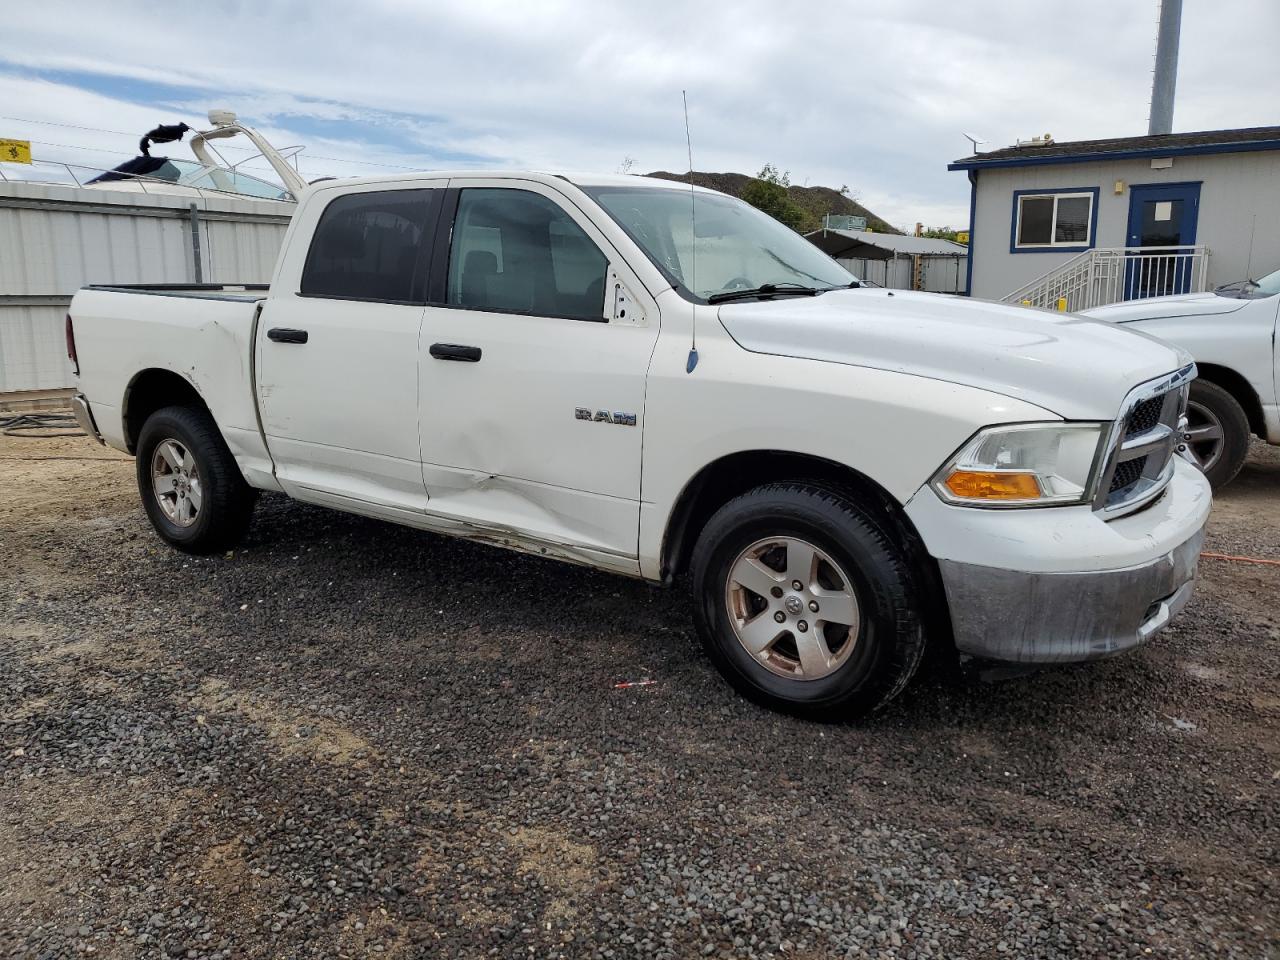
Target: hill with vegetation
801,208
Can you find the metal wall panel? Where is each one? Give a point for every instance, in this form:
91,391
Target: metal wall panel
55,239
33,349
939,274
240,251
944,274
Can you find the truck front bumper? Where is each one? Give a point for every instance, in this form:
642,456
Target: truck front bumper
1060,584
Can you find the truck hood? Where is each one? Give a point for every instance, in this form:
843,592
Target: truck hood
1073,366
1152,308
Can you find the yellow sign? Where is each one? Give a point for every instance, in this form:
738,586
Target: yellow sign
15,151
962,236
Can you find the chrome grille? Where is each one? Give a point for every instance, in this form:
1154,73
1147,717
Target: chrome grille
1144,416
1143,440
1128,473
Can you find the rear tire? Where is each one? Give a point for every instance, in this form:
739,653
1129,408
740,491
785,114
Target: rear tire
842,643
1219,432
192,489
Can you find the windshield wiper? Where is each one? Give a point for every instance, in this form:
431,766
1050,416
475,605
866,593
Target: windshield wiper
767,290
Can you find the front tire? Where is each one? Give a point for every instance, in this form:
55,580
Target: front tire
1217,431
192,490
806,603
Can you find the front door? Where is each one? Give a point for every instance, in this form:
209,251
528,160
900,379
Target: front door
1162,219
532,378
337,370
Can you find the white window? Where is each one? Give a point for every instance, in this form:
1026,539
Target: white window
1053,220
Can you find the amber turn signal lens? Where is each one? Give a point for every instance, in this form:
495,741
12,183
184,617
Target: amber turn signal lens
993,485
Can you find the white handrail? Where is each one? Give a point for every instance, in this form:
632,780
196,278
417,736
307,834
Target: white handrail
1032,285
159,185
1111,274
225,125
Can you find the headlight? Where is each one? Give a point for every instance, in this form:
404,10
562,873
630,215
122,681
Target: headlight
1024,465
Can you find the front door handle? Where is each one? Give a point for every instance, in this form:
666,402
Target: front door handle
455,351
287,335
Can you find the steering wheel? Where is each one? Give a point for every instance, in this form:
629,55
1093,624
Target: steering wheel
738,283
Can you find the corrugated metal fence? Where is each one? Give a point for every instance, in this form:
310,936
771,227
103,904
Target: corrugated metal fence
939,274
55,239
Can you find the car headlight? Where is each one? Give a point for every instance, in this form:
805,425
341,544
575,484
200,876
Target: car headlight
1023,465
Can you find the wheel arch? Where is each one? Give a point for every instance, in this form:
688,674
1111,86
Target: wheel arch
733,474
149,391
1241,391
719,481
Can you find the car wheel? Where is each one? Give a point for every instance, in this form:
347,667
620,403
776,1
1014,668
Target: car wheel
1217,432
805,602
192,490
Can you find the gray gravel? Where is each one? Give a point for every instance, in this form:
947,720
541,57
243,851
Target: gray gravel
350,739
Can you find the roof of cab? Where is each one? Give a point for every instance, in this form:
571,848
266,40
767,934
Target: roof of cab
538,176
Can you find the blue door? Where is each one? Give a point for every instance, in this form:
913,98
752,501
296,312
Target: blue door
1162,218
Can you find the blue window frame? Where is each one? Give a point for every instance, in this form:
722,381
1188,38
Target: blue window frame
1054,220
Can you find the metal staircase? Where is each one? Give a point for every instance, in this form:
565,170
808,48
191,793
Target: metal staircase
1111,274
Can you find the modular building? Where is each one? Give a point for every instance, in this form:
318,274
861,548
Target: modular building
1099,221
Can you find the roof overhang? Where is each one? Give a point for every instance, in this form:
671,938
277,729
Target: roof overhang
978,163
881,246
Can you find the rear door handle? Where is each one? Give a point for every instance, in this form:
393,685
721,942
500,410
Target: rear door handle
455,351
287,335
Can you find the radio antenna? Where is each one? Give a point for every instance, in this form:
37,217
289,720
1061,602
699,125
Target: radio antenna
693,241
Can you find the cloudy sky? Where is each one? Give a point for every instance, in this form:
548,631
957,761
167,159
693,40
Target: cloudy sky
872,95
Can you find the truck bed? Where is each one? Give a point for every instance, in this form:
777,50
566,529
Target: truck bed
129,338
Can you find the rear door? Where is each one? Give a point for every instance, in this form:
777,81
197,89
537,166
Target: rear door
535,350
337,361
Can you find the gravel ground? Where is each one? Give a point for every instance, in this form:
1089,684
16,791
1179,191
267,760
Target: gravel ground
351,739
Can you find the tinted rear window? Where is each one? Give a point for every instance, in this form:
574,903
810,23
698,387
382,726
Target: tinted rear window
367,245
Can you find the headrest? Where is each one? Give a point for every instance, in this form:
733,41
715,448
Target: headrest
480,262
343,240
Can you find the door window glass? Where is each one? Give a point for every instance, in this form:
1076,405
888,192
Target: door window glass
518,252
366,247
1161,223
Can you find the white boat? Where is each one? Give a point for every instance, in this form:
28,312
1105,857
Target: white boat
210,171
154,220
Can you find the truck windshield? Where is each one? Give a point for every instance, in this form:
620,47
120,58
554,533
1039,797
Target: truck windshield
1268,286
725,246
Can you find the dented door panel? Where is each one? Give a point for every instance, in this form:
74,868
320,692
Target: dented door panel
541,434
505,439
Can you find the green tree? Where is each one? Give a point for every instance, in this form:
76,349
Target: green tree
941,233
769,192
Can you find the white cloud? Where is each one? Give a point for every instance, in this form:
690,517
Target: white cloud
870,94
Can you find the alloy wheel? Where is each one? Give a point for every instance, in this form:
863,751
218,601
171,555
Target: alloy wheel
175,480
793,608
1204,434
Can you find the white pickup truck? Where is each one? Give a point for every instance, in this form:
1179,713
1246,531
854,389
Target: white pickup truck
845,471
1231,332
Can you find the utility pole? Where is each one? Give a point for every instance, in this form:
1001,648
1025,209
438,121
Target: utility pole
1166,73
